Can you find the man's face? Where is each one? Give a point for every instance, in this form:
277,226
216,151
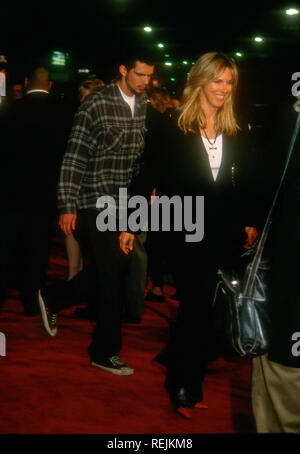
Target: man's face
135,80
17,91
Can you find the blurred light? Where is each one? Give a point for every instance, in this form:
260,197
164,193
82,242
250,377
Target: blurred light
258,39
148,29
173,79
83,70
58,58
168,63
193,62
291,11
167,55
161,45
2,83
238,54
185,62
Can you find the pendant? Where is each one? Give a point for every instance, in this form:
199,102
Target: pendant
212,148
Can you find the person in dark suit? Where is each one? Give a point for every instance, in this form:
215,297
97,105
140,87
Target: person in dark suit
200,153
34,138
276,374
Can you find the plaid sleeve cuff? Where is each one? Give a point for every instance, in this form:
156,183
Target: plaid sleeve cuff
68,208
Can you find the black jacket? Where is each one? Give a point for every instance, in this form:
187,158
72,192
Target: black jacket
177,164
34,137
284,250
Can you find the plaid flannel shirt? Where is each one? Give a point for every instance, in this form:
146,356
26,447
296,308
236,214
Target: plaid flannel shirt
103,149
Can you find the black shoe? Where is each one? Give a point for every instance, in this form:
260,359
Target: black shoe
155,298
181,395
48,317
183,401
181,398
114,365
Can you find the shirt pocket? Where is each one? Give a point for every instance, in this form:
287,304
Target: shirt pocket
113,139
140,138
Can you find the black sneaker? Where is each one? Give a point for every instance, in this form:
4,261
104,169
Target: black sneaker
114,365
48,317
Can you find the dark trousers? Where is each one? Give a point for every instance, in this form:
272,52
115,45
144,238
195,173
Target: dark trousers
102,284
110,270
25,242
191,341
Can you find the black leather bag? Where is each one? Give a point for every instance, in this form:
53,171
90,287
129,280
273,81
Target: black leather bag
243,294
245,300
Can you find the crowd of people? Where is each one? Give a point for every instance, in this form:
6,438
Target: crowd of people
129,135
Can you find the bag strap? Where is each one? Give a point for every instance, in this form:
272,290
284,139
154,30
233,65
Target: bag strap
265,231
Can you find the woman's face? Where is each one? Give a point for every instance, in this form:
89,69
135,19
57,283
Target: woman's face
214,94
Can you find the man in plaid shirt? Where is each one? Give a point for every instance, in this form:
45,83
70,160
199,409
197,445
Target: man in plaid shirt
103,153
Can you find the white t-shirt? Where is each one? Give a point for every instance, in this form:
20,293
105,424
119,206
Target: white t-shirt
214,150
129,99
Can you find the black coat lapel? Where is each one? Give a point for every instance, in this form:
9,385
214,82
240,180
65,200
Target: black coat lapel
226,161
198,160
225,169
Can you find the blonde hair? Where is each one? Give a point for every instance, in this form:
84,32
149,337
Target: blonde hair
206,69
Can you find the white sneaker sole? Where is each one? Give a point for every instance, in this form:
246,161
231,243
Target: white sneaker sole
51,332
125,371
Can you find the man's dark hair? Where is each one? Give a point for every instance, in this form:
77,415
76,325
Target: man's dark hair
130,61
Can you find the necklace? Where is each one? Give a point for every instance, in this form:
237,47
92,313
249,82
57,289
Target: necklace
212,144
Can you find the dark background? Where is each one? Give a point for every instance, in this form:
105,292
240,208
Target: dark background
94,33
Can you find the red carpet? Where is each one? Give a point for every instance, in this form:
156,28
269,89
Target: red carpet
47,385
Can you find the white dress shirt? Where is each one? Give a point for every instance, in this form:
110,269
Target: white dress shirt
214,150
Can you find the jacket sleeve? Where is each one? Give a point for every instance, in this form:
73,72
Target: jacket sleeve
75,160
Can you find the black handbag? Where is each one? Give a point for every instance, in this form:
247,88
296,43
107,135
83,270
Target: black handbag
243,294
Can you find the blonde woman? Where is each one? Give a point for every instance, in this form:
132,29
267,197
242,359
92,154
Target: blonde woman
201,153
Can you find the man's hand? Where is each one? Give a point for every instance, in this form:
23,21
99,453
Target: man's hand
126,242
67,223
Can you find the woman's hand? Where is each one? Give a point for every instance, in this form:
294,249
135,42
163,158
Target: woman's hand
252,234
126,240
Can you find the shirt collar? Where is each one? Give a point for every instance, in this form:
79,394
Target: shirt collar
37,90
140,98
